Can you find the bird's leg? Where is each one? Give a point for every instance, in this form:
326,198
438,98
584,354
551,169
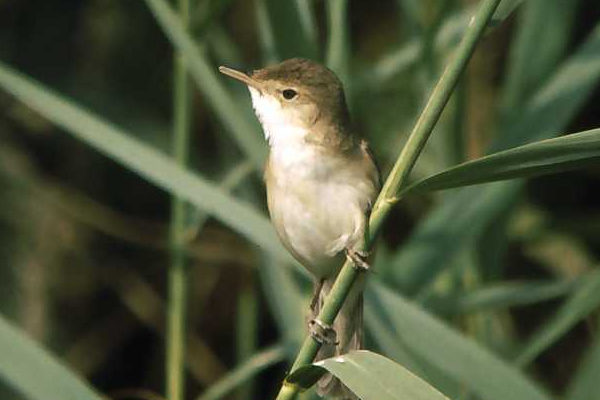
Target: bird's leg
316,291
359,259
322,332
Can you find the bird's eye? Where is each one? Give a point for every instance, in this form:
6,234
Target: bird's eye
289,94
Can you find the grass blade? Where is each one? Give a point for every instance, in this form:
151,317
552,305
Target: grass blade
578,306
505,8
584,385
177,272
534,159
244,371
144,160
245,133
458,356
370,376
36,374
507,295
452,225
524,72
290,25
284,298
336,57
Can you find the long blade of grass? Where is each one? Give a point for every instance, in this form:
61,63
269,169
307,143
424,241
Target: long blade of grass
507,295
251,367
291,28
524,71
386,340
245,133
534,159
578,306
584,385
505,8
458,356
284,299
458,220
370,376
36,374
397,61
177,271
336,57
144,160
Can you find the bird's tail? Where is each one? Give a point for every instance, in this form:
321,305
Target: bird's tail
348,326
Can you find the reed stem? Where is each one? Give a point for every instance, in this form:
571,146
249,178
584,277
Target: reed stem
177,285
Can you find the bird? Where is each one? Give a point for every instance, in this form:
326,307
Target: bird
321,182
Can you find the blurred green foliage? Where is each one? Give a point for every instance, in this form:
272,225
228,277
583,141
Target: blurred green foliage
486,292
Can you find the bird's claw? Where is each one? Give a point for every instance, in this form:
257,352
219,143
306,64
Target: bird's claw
358,259
322,332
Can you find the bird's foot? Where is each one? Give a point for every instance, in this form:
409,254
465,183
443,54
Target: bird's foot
359,259
322,332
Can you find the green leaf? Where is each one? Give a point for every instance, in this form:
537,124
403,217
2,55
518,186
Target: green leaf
395,62
578,306
584,385
144,160
510,294
338,45
245,132
525,72
465,213
293,26
459,357
241,373
370,376
284,299
35,373
544,157
505,8
386,340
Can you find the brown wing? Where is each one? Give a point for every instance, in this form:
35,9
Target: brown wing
373,168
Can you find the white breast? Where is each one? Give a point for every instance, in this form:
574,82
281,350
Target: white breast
316,211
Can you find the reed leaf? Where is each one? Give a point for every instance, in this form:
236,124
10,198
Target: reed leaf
544,157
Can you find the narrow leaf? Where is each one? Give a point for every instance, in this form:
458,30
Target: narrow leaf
370,376
505,8
578,306
284,299
35,373
489,377
510,294
457,221
534,159
244,131
292,31
585,384
251,367
144,160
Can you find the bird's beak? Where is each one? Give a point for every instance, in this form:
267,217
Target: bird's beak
242,77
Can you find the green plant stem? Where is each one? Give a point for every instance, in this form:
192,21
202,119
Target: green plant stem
177,286
397,178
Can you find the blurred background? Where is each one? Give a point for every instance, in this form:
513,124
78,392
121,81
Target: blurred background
84,240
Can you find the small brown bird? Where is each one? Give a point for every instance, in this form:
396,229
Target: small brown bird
321,183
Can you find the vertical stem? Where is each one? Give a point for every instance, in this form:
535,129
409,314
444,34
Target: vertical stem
432,111
177,286
247,318
336,56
